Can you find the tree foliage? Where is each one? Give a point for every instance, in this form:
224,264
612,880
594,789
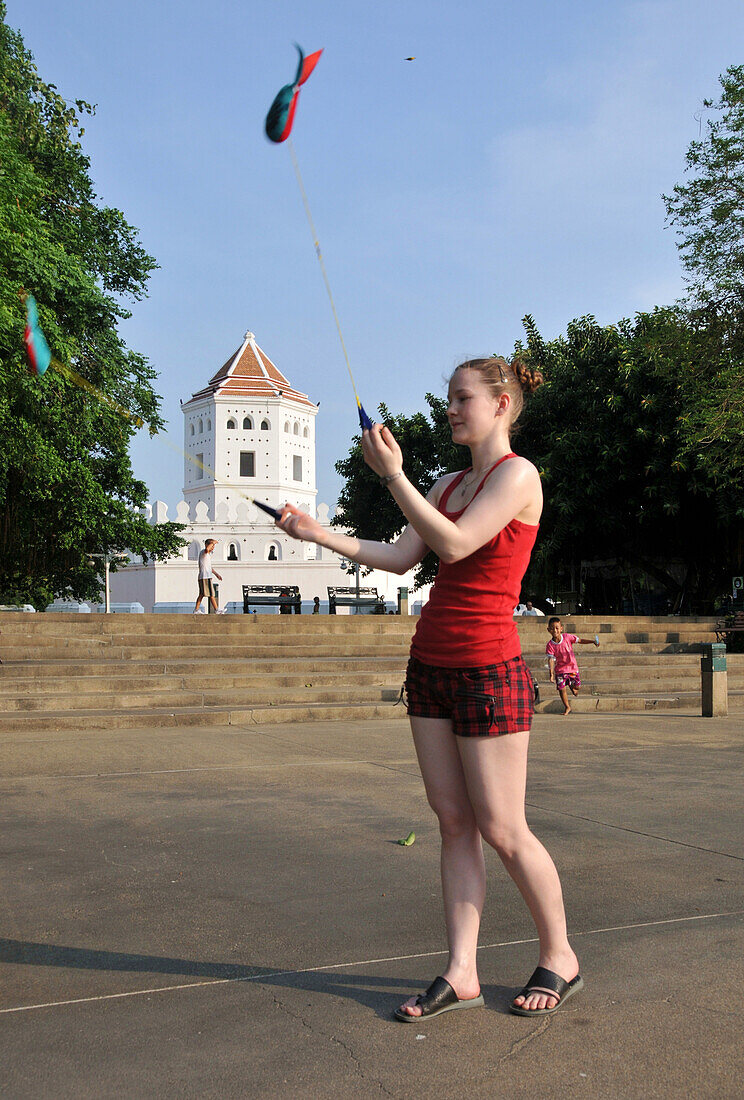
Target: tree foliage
708,209
637,438
66,483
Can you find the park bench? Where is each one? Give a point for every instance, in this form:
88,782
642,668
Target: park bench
728,628
284,596
354,597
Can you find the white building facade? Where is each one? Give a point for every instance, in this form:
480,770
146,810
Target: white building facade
247,434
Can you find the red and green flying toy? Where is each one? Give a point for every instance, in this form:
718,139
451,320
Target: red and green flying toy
282,111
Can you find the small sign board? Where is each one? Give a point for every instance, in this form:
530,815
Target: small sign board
737,586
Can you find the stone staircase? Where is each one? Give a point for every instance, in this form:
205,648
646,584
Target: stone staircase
132,671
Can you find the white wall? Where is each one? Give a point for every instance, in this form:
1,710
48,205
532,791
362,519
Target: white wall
175,580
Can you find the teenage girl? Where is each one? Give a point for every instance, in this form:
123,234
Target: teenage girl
469,691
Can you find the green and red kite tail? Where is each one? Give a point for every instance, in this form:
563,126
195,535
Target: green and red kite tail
37,349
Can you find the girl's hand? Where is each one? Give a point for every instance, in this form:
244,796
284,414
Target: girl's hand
299,525
381,453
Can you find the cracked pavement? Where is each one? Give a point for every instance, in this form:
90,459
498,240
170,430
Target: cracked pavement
225,913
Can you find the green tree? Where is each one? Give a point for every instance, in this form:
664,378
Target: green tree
708,209
637,437
66,484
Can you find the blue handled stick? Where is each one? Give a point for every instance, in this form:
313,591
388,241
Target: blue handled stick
267,508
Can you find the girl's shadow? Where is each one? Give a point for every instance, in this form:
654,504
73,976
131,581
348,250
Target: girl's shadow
375,992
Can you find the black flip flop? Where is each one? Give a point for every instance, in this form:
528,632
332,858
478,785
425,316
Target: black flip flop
439,997
542,980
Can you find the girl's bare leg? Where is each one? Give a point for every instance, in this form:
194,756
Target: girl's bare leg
495,770
462,863
564,699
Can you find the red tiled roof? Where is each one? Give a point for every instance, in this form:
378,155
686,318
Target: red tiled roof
250,373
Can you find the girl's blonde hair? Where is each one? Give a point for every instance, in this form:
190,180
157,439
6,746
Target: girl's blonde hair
516,378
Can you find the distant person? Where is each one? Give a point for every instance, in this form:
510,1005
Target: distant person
530,610
284,608
316,605
206,585
564,670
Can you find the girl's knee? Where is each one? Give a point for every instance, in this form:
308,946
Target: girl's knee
507,839
454,820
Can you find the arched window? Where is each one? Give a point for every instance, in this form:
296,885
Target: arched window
265,426
286,426
273,552
201,427
296,428
191,429
195,549
247,424
209,425
232,553
305,433
231,425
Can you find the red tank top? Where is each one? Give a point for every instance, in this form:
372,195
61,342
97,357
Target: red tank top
468,620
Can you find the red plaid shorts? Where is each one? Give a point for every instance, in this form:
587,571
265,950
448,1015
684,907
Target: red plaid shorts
480,702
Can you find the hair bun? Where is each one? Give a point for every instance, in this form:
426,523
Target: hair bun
529,378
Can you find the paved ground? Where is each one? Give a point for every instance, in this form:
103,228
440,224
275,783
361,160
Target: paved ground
225,913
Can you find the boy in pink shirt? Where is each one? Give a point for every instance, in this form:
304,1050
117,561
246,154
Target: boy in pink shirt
564,671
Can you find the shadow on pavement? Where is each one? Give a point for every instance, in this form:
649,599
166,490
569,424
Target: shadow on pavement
372,991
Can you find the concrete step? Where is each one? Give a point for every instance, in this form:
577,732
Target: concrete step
144,718
593,663
155,699
216,680
147,718
624,665
591,704
201,642
175,652
64,626
39,671
648,678
668,685
211,627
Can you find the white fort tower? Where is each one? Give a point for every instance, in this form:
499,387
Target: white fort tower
249,433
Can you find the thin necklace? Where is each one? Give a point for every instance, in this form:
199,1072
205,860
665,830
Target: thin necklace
472,477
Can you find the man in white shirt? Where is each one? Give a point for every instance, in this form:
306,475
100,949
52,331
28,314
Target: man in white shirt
530,610
206,586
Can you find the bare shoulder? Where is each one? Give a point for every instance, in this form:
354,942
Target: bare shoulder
521,477
517,470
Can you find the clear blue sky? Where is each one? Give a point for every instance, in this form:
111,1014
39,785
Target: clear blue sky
516,166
